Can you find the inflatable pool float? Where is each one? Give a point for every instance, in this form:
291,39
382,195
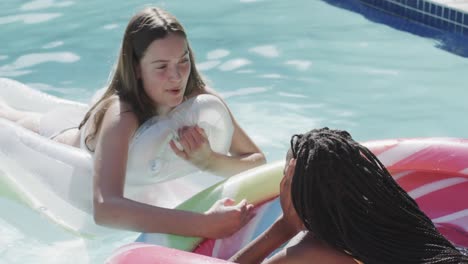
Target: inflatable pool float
56,179
434,171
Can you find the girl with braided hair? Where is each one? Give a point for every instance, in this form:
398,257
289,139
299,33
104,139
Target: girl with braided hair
345,207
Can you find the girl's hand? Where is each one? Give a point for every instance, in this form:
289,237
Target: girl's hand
195,146
225,217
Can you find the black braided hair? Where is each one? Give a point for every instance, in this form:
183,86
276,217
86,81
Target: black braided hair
346,197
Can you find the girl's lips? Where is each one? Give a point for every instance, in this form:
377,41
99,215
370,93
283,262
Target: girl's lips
174,91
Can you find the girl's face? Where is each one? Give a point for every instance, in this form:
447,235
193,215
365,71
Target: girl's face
164,70
289,213
285,186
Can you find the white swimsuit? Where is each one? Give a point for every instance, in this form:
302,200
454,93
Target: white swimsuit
150,158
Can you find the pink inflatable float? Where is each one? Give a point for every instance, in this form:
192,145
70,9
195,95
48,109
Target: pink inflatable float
434,171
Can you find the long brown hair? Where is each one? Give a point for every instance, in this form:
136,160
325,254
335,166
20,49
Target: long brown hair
150,24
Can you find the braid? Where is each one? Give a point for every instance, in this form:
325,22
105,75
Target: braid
347,198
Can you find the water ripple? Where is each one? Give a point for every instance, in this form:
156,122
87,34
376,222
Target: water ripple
376,71
283,94
245,91
26,61
217,54
271,76
268,51
207,65
31,18
42,4
110,26
234,64
52,45
245,71
301,65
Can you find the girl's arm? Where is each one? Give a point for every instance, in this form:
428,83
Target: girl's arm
112,209
271,239
282,230
244,152
307,250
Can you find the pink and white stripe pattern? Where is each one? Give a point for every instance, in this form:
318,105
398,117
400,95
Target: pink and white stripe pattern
434,171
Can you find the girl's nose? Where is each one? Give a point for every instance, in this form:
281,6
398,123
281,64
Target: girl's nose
175,74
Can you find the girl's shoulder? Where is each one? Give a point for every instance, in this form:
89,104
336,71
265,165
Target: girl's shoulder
115,103
119,113
112,117
311,250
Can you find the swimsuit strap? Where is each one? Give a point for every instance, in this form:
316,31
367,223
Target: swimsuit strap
61,131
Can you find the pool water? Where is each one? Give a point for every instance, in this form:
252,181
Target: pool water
282,69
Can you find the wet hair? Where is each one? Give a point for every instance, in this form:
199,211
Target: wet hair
346,197
148,25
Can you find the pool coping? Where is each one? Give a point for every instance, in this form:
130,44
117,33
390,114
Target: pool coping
448,15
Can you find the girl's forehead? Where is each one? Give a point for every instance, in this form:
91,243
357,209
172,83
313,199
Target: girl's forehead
172,46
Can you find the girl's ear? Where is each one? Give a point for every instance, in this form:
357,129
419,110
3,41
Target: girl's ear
291,167
288,172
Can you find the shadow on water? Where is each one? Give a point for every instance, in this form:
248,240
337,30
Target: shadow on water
451,42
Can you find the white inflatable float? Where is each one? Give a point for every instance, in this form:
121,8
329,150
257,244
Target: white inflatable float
56,179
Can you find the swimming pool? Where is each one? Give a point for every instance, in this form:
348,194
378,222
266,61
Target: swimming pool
282,68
